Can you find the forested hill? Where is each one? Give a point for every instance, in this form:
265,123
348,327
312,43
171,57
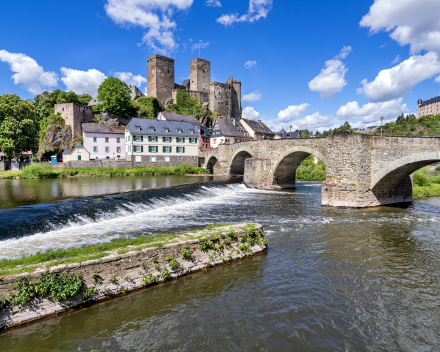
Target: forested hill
410,126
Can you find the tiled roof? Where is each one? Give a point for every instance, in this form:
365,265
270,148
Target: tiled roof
185,82
176,117
225,127
258,126
286,135
157,127
432,100
101,128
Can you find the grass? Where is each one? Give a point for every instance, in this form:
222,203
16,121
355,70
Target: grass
45,170
425,185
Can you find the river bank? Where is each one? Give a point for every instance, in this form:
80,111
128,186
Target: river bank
70,279
45,170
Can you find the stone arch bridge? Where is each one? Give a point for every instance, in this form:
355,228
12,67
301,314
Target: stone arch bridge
362,170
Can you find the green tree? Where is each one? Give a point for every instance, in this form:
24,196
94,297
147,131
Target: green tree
149,107
400,120
45,101
17,136
187,105
115,97
45,122
84,99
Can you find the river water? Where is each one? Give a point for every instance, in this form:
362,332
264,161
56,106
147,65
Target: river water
333,279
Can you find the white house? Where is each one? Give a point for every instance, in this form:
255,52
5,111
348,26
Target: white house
227,131
77,153
166,142
103,141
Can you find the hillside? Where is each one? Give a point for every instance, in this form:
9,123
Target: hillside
425,126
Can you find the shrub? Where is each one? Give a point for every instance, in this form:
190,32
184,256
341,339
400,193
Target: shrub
147,280
43,170
420,179
204,244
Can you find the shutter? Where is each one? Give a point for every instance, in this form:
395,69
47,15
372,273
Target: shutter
156,147
183,139
195,140
142,138
163,139
170,149
134,138
142,148
156,139
163,149
183,150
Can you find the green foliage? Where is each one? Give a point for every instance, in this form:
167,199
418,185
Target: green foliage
148,280
81,139
420,179
18,136
187,105
38,171
97,278
98,108
127,278
47,121
115,97
144,266
164,274
214,238
88,293
232,235
112,279
174,264
44,102
84,99
187,253
227,242
149,107
266,242
204,244
244,248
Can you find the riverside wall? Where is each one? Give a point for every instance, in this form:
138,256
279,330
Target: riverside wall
129,266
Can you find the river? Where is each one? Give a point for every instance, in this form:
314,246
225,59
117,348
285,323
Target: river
333,279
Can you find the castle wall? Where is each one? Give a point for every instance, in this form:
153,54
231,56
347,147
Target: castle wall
236,100
200,75
220,99
74,115
203,97
160,77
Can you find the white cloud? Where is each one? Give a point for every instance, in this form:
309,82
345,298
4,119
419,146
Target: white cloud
395,82
396,60
152,14
250,64
292,112
437,79
199,45
82,82
213,3
331,80
413,22
257,9
344,52
372,111
28,72
252,96
129,78
315,121
249,113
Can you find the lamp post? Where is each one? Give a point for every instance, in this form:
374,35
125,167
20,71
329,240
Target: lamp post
381,120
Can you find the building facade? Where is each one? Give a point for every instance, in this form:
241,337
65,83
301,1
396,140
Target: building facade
429,107
257,129
74,115
77,153
224,98
168,143
103,141
227,131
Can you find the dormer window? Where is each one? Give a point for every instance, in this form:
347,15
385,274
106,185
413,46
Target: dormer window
179,130
191,131
151,129
137,128
166,129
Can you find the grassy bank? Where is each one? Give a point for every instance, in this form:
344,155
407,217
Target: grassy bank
425,185
309,171
45,170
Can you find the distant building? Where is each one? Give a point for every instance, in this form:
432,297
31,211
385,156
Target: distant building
205,138
77,153
429,107
287,135
371,128
227,131
169,143
103,141
74,115
257,129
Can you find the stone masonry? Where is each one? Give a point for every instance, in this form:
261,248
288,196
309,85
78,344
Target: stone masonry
160,73
361,170
74,115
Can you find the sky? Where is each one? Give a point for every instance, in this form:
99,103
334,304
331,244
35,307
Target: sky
309,64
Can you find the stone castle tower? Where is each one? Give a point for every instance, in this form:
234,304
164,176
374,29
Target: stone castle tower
224,98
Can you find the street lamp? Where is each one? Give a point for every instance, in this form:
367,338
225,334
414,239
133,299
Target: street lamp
381,120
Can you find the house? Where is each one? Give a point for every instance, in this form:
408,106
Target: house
168,143
257,129
286,135
104,141
76,153
227,131
166,116
372,128
205,138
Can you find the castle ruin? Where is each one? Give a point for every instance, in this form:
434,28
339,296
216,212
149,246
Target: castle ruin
224,98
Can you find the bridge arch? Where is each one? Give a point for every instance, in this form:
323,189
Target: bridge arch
210,163
393,174
238,160
284,170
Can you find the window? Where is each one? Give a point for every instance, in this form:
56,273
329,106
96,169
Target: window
193,157
151,129
191,131
193,140
118,140
167,149
95,149
180,150
227,140
166,129
153,159
137,128
107,149
95,139
79,150
152,149
180,140
138,149
167,139
180,157
138,158
214,141
106,139
179,130
166,159
118,149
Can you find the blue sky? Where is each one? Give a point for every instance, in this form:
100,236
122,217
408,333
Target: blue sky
307,64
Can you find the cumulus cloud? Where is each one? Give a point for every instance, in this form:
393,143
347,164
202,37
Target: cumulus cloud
250,64
213,3
250,113
129,78
315,121
257,9
292,112
413,22
331,80
28,73
344,52
152,14
82,82
252,96
372,111
395,82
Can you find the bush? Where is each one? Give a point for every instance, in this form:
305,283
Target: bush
420,179
43,170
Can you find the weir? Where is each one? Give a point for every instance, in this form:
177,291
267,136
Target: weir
361,170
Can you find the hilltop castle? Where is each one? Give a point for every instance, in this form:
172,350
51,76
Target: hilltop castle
224,98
